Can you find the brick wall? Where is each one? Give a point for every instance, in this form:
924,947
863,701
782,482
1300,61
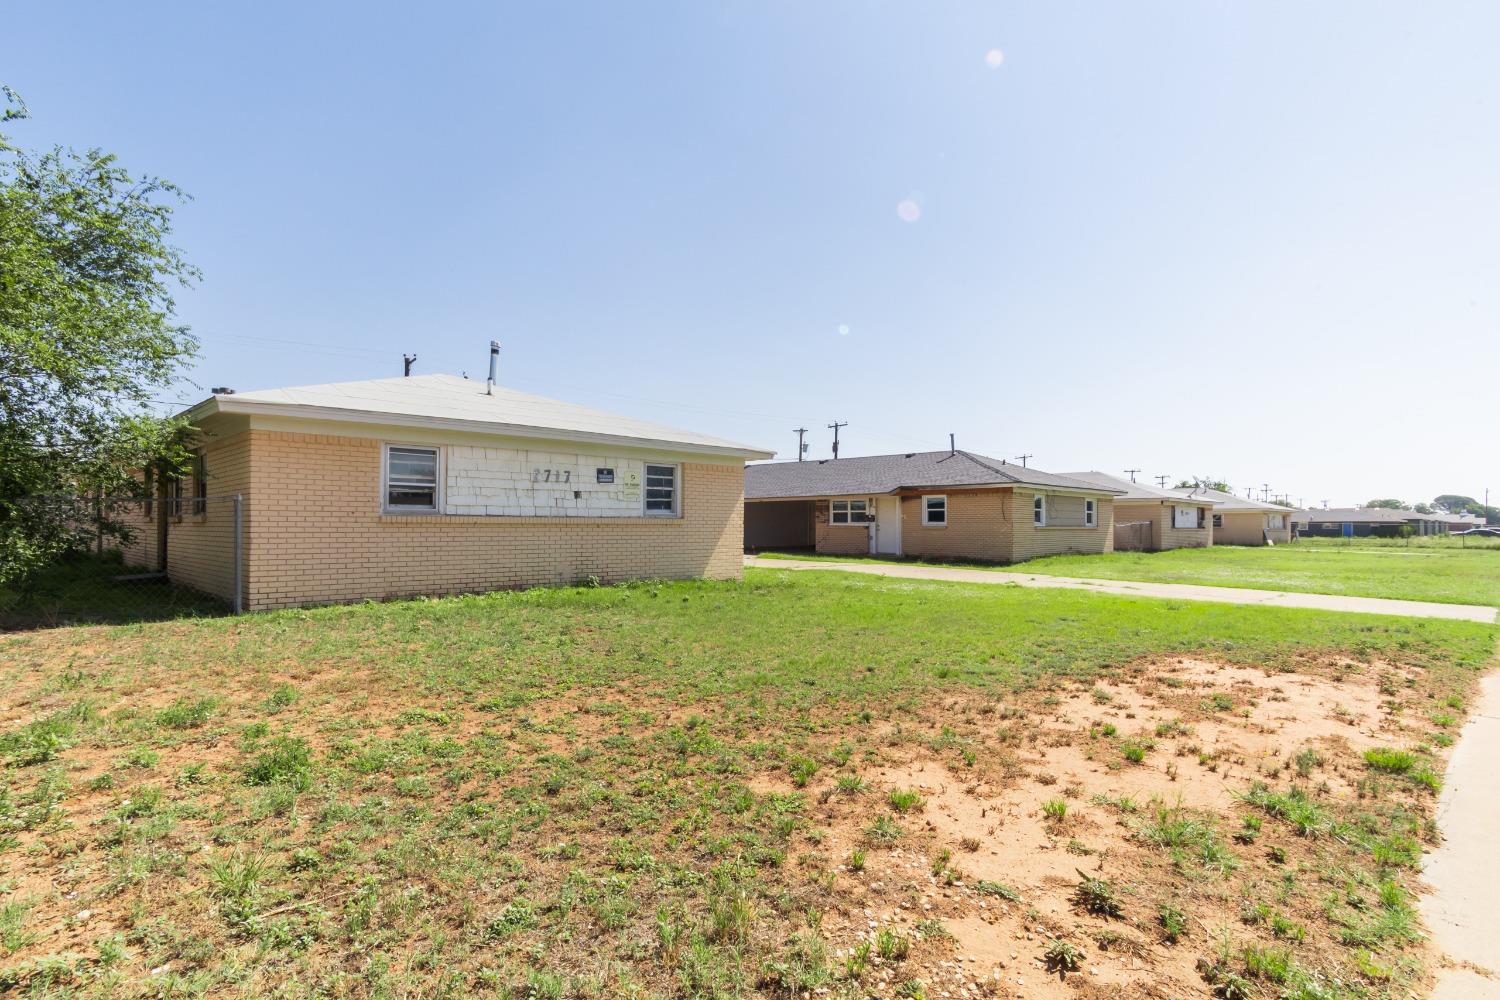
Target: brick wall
1248,528
316,534
1031,541
838,539
977,527
200,546
1163,534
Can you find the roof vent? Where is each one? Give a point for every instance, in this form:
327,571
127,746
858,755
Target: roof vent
222,390
910,454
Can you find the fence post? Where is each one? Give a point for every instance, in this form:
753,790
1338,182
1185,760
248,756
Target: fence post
239,554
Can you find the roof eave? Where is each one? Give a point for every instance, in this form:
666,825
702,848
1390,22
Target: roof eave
228,404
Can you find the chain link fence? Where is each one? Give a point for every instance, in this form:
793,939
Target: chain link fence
127,559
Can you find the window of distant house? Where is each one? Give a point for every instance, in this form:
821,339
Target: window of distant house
411,479
661,490
849,512
1090,514
1276,522
1218,520
935,511
200,484
1039,509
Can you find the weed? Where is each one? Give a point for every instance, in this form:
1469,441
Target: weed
1097,896
905,799
802,770
987,888
282,696
1173,922
1061,957
288,762
1391,761
890,946
884,830
1055,810
857,860
1306,760
186,713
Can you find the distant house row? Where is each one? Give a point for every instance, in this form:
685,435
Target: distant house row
1379,522
959,505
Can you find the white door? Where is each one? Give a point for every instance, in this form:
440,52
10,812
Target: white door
886,539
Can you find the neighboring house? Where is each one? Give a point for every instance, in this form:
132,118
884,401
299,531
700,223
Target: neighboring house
934,504
1152,520
1242,521
1368,522
433,485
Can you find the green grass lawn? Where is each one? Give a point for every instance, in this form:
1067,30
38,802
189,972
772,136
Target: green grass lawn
556,792
1447,575
1444,573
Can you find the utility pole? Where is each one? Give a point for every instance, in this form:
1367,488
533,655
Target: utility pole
1266,495
835,428
406,361
1325,504
1023,459
801,448
1161,481
1131,473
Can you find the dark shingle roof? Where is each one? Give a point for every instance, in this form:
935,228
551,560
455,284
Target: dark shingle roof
887,473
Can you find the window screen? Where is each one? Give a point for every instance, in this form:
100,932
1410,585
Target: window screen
411,478
661,490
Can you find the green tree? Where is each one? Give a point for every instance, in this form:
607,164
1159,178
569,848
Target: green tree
1455,503
1204,483
87,337
1424,508
1388,503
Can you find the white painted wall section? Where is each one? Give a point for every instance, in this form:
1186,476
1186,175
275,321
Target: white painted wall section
541,483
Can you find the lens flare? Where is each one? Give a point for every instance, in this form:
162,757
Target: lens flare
993,58
843,329
908,211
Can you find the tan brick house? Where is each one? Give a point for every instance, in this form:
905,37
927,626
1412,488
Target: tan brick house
1242,521
436,484
1152,520
938,505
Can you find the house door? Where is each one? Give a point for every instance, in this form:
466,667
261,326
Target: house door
886,538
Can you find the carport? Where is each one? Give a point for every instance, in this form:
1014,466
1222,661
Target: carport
779,524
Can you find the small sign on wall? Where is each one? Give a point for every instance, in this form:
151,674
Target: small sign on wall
606,476
632,484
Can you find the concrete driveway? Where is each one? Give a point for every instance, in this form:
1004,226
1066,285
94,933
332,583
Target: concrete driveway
1167,591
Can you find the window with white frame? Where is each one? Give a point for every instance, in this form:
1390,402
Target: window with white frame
1039,509
1218,520
935,511
1186,517
849,512
411,479
661,491
1276,522
1090,513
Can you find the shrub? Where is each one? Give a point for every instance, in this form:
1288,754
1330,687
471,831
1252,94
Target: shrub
1391,761
905,799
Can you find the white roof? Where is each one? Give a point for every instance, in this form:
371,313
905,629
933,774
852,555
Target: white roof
1229,502
452,402
1133,491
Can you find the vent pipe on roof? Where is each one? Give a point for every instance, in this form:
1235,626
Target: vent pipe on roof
489,387
952,448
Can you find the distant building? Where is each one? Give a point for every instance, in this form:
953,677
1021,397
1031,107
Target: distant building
1371,522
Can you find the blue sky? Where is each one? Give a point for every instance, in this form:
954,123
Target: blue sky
1258,241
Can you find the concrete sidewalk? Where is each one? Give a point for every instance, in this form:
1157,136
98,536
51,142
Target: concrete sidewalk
1464,908
1167,591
